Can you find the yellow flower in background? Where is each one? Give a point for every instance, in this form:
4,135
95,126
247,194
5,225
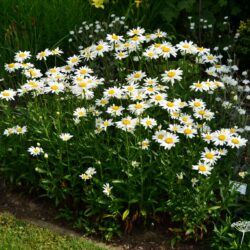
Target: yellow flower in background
137,3
98,3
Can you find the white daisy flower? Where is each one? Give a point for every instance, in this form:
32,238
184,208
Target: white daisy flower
167,50
43,54
186,47
172,75
20,130
199,86
115,110
138,108
11,67
55,87
148,122
144,144
236,142
135,77
34,151
169,140
7,94
210,156
221,137
80,112
65,136
127,124
20,56
107,189
203,168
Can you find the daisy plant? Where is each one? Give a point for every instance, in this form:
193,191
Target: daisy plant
135,129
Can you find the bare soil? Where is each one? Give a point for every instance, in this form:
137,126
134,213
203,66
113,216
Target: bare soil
43,213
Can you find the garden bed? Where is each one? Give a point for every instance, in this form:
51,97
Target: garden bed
42,213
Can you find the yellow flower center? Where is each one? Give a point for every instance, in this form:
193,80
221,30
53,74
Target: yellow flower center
11,65
115,107
54,87
217,66
222,137
83,71
201,112
135,38
198,85
150,53
22,55
114,37
42,54
171,74
170,104
169,140
5,93
148,122
197,104
111,92
74,60
103,101
232,130
210,57
99,47
33,84
150,89
158,98
138,106
208,137
137,75
202,168
165,49
106,123
67,67
187,131
53,70
82,84
157,45
126,122
185,46
160,136
209,156
235,141
81,113
19,130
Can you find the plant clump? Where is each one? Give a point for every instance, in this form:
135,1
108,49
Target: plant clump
131,130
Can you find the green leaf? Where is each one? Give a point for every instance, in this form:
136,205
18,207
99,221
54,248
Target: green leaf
214,208
39,170
189,231
117,181
133,201
125,214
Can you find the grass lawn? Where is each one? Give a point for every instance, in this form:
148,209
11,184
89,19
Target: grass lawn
19,235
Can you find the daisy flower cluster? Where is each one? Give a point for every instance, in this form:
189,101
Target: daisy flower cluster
18,130
146,114
141,102
86,32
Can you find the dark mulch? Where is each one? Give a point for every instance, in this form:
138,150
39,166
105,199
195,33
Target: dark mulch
43,213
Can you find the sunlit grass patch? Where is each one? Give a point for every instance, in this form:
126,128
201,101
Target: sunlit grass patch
19,235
